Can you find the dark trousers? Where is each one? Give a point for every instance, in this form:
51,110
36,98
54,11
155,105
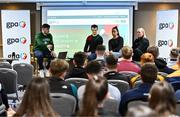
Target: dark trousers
43,54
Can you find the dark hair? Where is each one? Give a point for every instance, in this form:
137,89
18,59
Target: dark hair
127,52
80,58
174,52
46,26
95,92
94,26
154,50
36,101
149,73
162,98
58,67
100,48
93,67
116,28
111,62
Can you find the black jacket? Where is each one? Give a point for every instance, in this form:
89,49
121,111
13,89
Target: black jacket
113,75
77,72
57,85
116,44
140,46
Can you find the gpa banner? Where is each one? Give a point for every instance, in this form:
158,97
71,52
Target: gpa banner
16,34
166,32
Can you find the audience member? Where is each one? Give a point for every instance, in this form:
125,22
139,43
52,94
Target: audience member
140,44
79,61
160,63
94,68
96,92
148,75
58,69
126,64
173,58
112,74
175,76
141,111
36,100
162,99
145,58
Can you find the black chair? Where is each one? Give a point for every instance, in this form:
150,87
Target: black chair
8,78
24,72
77,81
64,104
5,65
123,86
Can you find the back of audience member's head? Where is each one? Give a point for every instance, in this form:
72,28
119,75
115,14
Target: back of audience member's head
149,73
162,99
36,100
174,52
59,67
178,60
154,50
100,50
141,111
95,92
147,57
127,52
93,68
111,62
80,59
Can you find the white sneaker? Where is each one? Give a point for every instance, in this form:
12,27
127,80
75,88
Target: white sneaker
47,73
41,73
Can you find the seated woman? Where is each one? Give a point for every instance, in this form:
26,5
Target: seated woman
162,99
95,93
36,101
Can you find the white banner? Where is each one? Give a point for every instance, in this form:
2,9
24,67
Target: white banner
16,34
166,32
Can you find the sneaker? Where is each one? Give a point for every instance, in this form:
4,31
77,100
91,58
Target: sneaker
41,73
47,73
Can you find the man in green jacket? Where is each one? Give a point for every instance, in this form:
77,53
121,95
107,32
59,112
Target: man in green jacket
43,48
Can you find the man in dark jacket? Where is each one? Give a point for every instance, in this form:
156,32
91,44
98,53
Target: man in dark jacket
58,69
80,61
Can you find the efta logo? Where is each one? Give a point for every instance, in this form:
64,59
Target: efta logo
14,55
171,25
21,40
165,43
170,43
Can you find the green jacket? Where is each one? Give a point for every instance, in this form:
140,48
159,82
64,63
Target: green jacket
41,41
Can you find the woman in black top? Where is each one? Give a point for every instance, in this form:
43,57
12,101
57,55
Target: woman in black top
116,43
140,44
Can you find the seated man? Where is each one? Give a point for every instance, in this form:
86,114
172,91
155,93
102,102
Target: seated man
112,74
58,69
175,76
160,63
173,58
79,61
148,76
43,48
93,68
125,63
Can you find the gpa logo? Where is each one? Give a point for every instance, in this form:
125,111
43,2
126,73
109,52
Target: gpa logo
165,43
21,24
166,25
22,56
21,40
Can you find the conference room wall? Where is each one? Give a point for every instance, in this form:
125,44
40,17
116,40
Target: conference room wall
145,17
34,17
